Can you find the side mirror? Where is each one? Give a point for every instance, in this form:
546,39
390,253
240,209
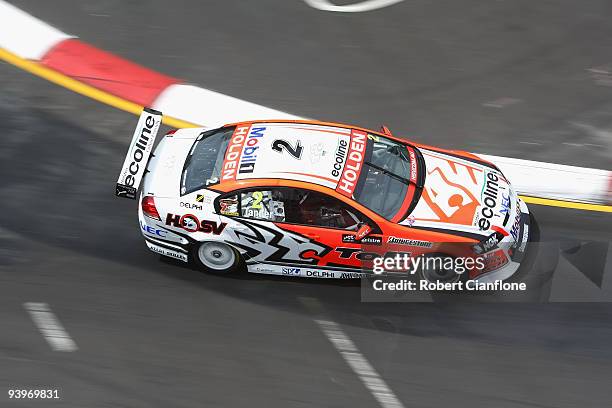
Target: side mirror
363,231
386,130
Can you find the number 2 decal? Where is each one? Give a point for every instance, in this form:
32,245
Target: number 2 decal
279,144
257,198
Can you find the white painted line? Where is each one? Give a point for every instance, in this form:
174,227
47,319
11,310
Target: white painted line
25,35
501,103
50,327
368,5
602,134
353,357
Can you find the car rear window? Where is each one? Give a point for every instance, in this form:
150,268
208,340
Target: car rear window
205,159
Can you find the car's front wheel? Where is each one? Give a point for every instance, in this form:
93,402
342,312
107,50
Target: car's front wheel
439,267
217,257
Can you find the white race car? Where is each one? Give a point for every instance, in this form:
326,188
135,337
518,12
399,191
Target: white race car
315,199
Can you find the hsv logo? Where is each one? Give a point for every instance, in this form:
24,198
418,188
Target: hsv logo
354,162
447,192
191,223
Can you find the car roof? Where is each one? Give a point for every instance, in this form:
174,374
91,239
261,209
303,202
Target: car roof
308,122
318,153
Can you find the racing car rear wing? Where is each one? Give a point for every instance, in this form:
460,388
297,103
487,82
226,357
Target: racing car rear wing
138,154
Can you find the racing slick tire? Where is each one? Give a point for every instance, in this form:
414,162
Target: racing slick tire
539,265
440,274
216,257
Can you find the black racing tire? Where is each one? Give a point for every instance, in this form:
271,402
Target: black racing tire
441,275
216,257
538,267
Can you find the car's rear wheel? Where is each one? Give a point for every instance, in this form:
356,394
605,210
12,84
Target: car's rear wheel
217,257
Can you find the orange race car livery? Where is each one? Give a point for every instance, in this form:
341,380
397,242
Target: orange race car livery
317,199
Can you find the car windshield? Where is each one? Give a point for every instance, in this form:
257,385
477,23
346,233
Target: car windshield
204,162
385,176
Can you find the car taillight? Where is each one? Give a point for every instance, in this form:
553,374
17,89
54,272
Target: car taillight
148,208
171,132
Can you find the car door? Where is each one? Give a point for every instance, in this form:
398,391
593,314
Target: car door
299,227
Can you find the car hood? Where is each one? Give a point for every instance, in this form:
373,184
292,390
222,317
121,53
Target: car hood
462,194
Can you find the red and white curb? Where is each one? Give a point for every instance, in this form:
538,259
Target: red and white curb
556,181
33,39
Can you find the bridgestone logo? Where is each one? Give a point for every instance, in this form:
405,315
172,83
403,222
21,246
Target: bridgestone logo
409,242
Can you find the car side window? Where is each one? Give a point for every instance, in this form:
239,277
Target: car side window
290,205
263,205
257,204
318,209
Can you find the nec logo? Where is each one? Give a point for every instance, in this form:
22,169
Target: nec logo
153,231
191,223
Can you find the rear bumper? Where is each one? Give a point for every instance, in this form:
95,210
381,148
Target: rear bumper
161,240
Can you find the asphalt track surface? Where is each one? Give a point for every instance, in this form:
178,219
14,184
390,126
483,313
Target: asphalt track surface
151,333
